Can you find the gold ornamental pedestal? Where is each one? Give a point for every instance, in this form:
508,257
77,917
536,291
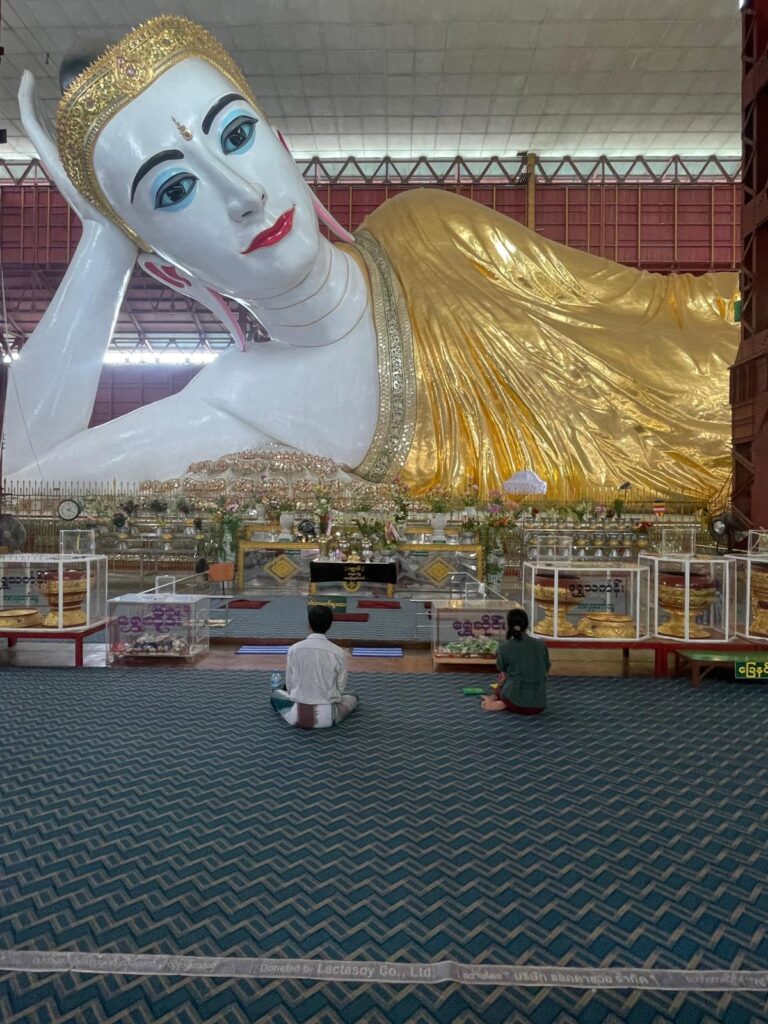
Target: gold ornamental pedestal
544,595
759,600
672,591
74,587
20,618
607,626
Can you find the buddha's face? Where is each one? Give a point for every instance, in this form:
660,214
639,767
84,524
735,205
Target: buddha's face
228,204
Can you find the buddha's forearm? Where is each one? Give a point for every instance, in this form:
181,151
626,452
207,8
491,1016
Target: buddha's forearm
53,384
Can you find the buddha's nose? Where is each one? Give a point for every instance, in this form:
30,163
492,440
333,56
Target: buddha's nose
247,204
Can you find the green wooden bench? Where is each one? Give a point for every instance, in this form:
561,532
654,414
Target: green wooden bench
702,662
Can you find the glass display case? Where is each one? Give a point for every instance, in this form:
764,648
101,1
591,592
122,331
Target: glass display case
56,592
678,540
757,542
77,542
466,632
752,595
692,598
586,602
157,626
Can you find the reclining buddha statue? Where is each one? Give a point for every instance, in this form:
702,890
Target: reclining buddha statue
443,343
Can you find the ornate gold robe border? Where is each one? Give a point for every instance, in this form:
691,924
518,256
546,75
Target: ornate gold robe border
396,423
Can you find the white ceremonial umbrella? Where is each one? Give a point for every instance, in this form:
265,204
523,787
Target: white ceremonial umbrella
525,482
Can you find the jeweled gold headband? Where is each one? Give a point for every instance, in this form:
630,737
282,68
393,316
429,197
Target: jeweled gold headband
121,74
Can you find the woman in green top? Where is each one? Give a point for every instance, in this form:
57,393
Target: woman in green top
524,663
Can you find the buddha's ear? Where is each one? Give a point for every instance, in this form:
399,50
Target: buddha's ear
185,284
323,215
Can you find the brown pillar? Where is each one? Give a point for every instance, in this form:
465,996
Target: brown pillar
749,374
530,190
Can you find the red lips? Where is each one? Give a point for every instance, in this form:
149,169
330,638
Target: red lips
273,234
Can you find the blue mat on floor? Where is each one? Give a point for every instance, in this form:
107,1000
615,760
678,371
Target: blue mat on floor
275,649
168,811
377,652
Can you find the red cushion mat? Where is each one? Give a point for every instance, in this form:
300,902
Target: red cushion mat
242,602
350,617
378,604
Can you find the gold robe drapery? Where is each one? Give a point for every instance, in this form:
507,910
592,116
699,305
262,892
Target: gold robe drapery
530,354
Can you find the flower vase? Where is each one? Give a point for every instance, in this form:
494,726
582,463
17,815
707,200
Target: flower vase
494,571
286,525
438,521
228,546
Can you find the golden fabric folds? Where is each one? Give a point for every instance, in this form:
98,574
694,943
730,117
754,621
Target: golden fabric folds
529,354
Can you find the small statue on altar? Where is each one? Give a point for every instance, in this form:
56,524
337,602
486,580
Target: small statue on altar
444,343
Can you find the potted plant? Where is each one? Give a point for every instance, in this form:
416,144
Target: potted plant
440,504
469,502
642,535
364,508
493,528
401,501
225,526
158,507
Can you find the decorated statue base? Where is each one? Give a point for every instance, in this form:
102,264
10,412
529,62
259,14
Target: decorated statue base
74,588
672,600
544,595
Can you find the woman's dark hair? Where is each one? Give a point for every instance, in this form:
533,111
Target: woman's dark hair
517,623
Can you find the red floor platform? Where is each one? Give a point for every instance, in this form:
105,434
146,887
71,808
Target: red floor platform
77,635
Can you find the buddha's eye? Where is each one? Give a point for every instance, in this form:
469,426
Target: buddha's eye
175,191
237,136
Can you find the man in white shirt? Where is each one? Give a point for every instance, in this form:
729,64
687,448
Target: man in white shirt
315,678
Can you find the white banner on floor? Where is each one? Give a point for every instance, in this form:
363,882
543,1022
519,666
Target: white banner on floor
382,973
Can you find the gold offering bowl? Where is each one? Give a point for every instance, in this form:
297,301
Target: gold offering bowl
544,594
607,625
20,618
74,589
759,600
702,592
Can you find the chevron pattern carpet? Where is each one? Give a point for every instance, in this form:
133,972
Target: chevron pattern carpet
172,812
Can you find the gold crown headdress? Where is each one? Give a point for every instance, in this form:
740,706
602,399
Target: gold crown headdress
121,74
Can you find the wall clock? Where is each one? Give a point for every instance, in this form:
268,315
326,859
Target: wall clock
68,509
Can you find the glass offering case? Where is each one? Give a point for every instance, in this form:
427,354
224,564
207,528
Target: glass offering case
585,602
468,631
692,598
56,592
678,540
164,625
77,542
752,595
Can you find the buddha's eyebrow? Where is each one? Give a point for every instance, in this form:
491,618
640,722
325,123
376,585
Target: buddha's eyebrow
219,105
158,158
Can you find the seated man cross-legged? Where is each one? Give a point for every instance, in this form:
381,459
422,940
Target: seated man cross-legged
315,678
